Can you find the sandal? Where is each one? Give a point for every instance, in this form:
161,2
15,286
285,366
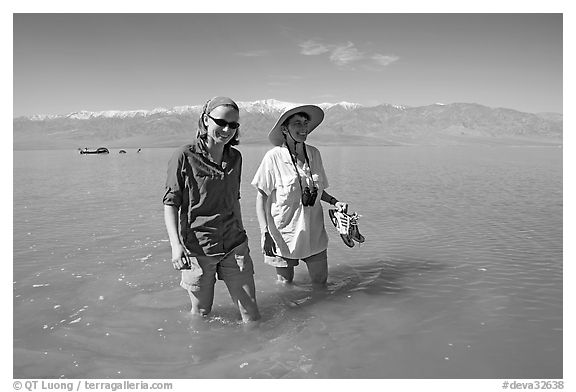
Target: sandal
342,223
354,232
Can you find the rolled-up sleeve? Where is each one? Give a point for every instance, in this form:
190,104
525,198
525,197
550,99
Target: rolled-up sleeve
264,177
174,180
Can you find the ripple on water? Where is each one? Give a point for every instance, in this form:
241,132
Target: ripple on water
464,247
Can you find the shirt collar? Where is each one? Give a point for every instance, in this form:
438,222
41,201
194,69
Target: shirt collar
285,154
199,147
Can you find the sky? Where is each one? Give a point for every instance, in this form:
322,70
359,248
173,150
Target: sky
68,62
65,63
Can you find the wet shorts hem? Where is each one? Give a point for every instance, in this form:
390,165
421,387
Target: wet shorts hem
283,262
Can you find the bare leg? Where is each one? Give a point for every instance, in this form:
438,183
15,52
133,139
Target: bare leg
202,300
285,274
318,271
243,295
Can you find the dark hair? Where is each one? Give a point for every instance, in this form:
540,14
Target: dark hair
302,114
202,130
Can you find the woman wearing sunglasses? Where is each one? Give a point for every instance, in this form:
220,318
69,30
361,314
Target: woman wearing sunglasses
202,213
291,182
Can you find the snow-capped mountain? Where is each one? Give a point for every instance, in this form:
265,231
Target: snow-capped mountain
344,123
267,106
261,106
43,117
343,104
86,115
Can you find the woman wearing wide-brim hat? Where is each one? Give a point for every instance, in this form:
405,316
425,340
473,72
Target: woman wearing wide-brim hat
291,184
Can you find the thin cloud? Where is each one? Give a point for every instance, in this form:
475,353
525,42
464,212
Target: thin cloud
313,48
346,55
385,60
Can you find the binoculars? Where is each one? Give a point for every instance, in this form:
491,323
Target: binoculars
309,197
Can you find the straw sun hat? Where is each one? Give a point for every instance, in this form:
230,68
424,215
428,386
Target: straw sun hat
315,113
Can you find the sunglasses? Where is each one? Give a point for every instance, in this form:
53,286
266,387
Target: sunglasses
223,123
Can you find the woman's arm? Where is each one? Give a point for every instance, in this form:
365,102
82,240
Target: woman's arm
261,199
326,197
178,251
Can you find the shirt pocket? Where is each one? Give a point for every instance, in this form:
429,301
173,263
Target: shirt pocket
287,191
196,184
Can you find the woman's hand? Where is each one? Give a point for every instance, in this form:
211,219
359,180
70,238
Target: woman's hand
342,206
268,245
179,260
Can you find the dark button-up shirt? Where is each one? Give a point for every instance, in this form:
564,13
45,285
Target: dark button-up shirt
207,195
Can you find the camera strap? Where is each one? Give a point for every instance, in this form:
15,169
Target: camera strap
293,158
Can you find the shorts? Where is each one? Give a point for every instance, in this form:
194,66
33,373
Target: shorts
234,266
279,261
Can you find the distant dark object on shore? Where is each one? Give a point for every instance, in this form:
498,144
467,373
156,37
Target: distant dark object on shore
122,152
101,150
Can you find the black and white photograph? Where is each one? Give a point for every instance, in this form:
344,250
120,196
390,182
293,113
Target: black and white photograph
295,195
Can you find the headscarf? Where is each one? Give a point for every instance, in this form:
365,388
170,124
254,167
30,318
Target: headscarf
210,105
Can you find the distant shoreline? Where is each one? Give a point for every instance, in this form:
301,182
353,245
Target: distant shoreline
487,143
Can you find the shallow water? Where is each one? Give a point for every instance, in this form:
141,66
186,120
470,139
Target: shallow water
460,276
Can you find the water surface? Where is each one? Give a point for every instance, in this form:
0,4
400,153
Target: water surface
460,276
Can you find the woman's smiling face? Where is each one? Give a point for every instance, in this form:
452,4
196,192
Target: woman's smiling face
298,126
221,134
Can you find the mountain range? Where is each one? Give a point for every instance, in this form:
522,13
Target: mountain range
344,123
